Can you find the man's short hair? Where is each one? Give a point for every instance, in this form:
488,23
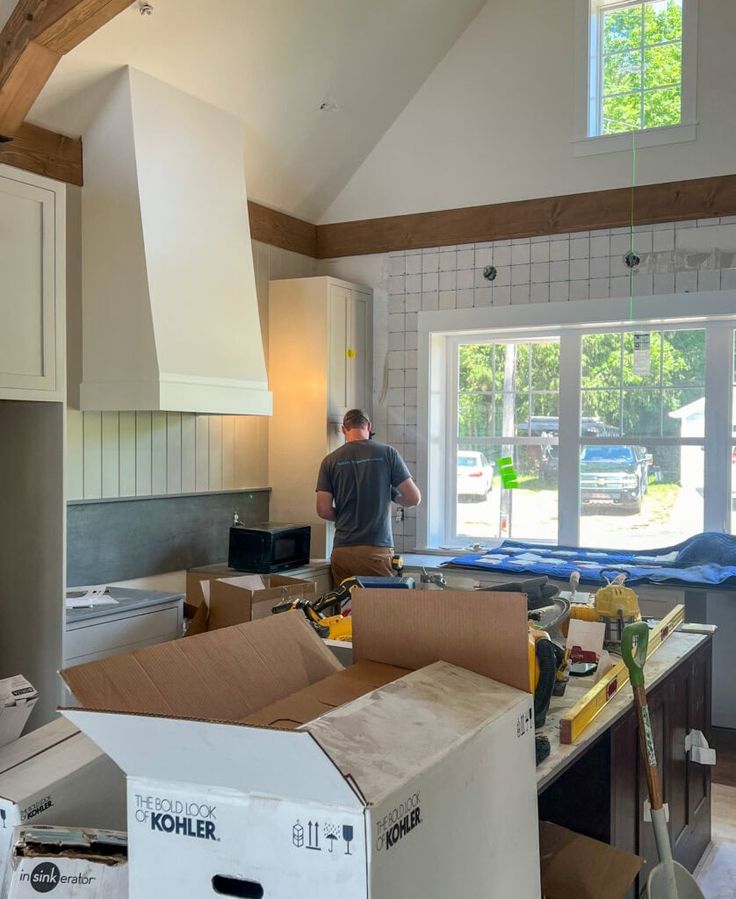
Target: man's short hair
355,419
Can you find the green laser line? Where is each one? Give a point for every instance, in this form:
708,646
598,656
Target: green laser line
633,238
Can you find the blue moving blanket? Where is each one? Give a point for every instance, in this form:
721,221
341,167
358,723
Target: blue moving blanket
704,560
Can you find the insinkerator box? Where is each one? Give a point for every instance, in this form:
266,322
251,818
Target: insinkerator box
301,778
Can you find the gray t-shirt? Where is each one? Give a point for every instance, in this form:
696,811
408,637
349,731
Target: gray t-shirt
360,476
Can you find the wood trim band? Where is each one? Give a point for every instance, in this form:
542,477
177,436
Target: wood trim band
44,152
653,203
281,230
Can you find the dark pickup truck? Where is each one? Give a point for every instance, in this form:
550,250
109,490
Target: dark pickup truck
614,475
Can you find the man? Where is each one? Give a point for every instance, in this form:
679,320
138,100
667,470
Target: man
355,487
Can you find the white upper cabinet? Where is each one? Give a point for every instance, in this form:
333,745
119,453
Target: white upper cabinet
320,347
349,342
32,284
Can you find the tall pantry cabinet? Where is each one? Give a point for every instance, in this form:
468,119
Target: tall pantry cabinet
320,351
32,431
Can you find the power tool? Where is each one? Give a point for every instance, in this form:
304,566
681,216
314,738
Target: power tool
329,615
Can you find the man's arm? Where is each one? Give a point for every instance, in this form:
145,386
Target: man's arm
325,509
408,494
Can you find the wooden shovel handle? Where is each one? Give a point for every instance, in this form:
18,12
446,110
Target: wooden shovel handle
646,745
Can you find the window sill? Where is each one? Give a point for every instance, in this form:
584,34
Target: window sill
616,143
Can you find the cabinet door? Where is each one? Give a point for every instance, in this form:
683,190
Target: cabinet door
338,331
358,354
27,295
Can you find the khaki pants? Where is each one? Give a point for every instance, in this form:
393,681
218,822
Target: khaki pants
353,561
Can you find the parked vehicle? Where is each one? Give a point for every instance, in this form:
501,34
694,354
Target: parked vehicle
614,475
474,474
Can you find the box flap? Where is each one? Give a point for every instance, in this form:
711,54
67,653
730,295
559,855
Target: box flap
56,763
413,722
574,865
327,694
223,675
483,632
35,742
218,756
229,603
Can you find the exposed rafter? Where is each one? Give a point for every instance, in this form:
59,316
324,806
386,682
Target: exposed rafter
35,37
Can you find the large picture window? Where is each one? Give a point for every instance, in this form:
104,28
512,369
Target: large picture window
607,428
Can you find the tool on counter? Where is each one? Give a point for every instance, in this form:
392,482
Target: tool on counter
583,662
397,563
329,615
669,879
617,606
575,720
613,604
574,584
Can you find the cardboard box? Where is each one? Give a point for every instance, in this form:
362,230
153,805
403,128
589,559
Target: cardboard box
257,763
69,863
17,699
204,573
237,600
56,775
574,865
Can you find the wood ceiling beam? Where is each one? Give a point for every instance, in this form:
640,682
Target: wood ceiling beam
45,153
281,230
35,37
653,203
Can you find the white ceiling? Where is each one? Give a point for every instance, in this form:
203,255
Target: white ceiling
273,62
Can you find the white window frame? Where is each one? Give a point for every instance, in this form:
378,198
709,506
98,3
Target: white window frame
440,332
586,141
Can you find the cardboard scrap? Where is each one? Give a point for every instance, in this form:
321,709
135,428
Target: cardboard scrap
574,865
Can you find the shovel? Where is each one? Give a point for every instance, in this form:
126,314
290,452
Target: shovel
668,880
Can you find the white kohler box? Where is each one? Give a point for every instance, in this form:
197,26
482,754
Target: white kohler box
55,775
371,782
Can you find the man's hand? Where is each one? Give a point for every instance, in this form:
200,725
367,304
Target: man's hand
408,494
325,506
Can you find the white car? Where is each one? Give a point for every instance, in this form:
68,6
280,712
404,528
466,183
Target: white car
474,474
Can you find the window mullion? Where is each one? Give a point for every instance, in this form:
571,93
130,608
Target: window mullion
568,486
717,424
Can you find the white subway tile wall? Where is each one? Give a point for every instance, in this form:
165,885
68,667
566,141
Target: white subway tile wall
674,258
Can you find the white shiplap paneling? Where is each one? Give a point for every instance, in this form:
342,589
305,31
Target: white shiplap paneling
143,453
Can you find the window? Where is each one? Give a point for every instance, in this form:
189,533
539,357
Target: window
641,476
638,73
607,425
507,405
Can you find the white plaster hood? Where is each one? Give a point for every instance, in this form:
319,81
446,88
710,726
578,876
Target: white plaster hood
170,312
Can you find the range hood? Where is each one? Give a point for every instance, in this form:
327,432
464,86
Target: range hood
169,306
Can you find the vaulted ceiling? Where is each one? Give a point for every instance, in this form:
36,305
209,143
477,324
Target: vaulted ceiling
273,63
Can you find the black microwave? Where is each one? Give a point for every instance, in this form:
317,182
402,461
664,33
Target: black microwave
268,547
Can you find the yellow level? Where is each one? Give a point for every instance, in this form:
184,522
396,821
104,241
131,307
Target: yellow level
574,722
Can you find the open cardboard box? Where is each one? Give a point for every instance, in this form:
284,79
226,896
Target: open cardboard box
237,600
55,774
574,865
256,762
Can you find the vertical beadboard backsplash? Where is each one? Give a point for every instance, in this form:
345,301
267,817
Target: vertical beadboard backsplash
113,454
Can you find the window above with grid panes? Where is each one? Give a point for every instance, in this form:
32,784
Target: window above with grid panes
639,72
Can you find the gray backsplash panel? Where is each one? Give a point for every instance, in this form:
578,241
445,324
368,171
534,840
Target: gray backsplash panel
120,539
